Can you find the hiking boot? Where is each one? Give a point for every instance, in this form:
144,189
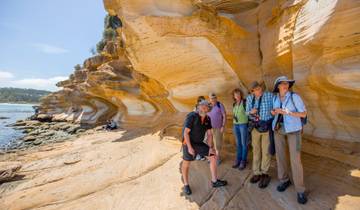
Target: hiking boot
264,181
255,179
187,190
301,198
283,186
236,164
219,183
242,165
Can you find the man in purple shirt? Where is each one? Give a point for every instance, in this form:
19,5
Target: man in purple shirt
218,120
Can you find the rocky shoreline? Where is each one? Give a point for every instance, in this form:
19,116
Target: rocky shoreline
40,132
113,170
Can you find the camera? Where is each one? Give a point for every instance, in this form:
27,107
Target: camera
235,118
255,118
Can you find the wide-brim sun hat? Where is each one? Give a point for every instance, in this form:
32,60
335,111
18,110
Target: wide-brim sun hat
282,79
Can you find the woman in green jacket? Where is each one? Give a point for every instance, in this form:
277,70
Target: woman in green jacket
240,129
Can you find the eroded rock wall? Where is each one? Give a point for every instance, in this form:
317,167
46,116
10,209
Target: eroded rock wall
173,51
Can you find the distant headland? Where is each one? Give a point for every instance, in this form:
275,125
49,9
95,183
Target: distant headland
21,95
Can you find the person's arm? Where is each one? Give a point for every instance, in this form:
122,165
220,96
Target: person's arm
272,96
210,138
210,142
248,105
298,114
300,106
223,117
187,141
274,111
188,125
276,107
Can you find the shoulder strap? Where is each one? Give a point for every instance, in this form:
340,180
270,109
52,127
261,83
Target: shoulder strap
286,101
208,118
292,100
253,102
218,104
243,102
259,105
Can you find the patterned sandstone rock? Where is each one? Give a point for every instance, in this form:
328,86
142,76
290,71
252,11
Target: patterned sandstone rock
173,51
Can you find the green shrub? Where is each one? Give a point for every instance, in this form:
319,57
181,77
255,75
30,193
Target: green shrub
100,46
110,33
77,67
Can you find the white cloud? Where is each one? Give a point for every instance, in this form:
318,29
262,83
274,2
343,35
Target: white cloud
39,83
4,75
35,83
49,49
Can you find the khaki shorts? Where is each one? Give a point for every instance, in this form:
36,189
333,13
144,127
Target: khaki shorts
218,138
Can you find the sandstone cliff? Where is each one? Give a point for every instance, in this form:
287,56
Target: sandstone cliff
169,52
164,55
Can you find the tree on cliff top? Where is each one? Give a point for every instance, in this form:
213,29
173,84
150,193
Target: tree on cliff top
111,23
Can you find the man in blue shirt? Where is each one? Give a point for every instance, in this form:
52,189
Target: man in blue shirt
290,112
258,107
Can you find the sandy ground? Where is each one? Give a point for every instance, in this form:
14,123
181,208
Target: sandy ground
138,170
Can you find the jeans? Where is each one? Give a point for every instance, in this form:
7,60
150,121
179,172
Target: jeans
241,136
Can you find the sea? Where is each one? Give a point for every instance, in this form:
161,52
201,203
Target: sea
10,113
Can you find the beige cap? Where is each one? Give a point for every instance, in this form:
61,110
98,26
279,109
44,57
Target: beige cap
212,95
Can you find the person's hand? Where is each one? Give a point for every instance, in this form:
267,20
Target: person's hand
279,111
222,129
191,151
253,111
273,112
212,151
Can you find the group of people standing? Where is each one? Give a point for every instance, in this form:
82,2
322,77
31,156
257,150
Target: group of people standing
271,121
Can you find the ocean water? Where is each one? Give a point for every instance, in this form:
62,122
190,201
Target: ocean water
14,112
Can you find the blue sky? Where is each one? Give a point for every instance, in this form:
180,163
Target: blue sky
42,40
